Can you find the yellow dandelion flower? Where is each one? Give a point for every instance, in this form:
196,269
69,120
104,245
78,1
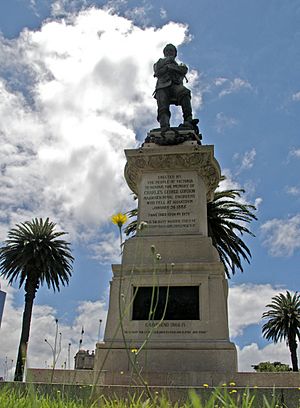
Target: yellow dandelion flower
134,350
232,391
205,385
232,383
119,219
224,385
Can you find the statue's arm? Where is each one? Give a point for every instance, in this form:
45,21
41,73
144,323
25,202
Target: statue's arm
160,67
182,69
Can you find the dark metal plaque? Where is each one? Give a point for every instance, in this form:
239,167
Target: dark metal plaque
169,303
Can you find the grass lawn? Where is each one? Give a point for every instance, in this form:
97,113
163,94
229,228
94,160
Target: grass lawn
10,397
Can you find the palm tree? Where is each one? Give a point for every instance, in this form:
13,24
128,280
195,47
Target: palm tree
225,218
284,322
33,255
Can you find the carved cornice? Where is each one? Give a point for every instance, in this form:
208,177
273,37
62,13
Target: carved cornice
200,159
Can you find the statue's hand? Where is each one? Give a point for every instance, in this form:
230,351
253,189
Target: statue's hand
183,68
172,67
180,69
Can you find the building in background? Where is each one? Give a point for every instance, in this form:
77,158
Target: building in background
84,372
84,360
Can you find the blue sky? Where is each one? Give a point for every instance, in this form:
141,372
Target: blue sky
76,87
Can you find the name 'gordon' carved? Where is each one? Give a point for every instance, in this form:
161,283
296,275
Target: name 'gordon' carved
170,202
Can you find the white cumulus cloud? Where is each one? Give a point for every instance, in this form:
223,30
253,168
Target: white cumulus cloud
139,14
252,355
293,190
246,304
246,160
78,91
163,13
295,152
296,96
282,236
43,327
232,86
108,249
230,183
224,122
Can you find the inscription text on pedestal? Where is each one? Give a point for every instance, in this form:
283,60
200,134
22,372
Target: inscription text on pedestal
169,202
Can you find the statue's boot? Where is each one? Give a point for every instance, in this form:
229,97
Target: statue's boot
164,121
187,111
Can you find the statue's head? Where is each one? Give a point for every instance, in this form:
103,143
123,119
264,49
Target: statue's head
170,50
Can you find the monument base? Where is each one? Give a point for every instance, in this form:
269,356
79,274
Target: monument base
167,312
167,358
175,348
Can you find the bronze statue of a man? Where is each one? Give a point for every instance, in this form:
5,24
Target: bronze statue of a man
170,89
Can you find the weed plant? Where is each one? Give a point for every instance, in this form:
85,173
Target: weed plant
216,398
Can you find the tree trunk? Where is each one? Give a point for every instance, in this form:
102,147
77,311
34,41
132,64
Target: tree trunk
30,290
293,351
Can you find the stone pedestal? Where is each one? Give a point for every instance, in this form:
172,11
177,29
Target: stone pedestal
170,288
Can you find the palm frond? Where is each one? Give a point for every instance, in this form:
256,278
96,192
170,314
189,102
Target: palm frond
284,322
226,217
32,251
131,228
